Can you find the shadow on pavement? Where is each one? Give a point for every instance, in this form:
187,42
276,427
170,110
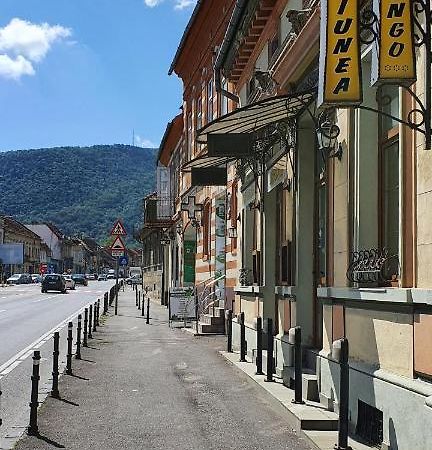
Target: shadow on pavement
49,441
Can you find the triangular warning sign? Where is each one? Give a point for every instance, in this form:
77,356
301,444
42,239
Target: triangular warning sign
118,229
117,244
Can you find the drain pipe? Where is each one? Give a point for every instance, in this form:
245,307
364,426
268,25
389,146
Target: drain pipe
226,43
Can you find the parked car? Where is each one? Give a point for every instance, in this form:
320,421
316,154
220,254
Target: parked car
80,278
134,279
36,278
102,277
19,278
53,282
70,283
110,276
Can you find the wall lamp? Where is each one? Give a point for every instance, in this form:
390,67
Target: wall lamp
327,132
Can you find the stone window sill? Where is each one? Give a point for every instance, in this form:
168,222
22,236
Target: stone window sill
249,290
288,292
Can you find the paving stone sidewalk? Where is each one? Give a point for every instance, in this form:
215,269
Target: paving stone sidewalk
153,387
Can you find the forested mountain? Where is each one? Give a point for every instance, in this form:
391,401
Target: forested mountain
79,189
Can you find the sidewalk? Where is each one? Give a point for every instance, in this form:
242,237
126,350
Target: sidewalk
153,387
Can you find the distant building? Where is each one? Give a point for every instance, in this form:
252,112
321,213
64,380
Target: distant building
52,237
15,232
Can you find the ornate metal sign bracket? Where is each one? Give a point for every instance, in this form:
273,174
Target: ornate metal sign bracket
419,118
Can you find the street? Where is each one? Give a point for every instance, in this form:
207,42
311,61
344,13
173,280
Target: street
27,320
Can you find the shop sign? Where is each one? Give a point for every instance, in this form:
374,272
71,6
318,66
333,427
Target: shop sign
189,248
340,66
394,57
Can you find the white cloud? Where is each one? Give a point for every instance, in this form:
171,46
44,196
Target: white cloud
178,4
23,43
146,143
152,3
15,68
182,4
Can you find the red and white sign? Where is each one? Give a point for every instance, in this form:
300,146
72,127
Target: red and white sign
43,268
118,229
118,244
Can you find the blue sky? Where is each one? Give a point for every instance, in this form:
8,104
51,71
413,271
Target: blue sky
84,72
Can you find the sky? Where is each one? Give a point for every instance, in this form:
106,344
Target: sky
87,72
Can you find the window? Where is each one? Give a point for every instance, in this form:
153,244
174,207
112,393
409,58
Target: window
284,250
199,118
233,211
273,45
210,101
389,186
224,99
189,137
256,251
206,230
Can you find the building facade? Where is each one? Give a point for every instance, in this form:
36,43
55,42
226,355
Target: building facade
323,211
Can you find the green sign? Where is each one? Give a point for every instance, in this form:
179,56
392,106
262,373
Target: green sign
189,248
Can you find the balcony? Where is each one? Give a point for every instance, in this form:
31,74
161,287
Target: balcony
158,211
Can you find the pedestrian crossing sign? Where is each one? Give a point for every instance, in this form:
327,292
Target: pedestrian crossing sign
118,229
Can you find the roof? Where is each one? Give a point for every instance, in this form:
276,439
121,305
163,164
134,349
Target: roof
185,36
10,222
171,137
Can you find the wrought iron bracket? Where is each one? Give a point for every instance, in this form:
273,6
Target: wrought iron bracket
419,118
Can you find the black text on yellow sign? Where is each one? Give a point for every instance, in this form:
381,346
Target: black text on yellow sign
340,68
395,53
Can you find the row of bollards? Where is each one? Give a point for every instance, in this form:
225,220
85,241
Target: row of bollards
91,322
141,304
341,354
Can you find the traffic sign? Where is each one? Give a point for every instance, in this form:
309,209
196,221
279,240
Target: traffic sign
118,229
123,260
117,253
43,268
117,244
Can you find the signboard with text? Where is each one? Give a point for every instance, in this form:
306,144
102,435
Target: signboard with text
182,304
340,63
394,57
12,253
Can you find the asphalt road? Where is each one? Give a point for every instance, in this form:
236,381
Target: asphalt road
28,319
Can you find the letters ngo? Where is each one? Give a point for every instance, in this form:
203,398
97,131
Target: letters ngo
340,62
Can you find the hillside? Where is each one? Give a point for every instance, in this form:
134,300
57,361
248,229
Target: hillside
79,189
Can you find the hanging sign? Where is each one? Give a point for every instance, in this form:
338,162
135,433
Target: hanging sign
340,67
394,56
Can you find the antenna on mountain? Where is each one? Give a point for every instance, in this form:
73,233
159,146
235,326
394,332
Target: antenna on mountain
133,137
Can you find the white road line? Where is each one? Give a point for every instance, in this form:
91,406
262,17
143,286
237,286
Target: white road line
2,310
26,352
42,299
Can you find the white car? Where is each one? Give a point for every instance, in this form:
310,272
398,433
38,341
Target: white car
70,284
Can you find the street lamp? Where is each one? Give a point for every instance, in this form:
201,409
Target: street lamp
327,132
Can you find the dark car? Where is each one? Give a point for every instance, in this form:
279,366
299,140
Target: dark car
53,282
80,278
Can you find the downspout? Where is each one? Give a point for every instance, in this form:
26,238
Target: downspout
226,44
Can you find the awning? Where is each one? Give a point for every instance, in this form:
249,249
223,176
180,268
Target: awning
205,162
253,117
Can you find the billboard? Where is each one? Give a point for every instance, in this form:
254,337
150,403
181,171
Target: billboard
12,253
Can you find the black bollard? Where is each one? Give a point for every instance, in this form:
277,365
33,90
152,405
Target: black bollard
139,302
78,341
85,327
143,303
32,429
94,316
242,337
228,316
55,372
259,370
343,395
98,312
270,361
69,349
105,303
89,335
298,367
148,310
136,296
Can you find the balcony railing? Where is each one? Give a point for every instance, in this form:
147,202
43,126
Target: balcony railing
158,211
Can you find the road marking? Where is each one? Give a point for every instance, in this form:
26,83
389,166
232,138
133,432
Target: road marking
26,352
2,310
42,299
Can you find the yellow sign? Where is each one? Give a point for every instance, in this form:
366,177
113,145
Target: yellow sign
340,68
396,41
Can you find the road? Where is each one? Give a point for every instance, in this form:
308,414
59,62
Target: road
27,320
